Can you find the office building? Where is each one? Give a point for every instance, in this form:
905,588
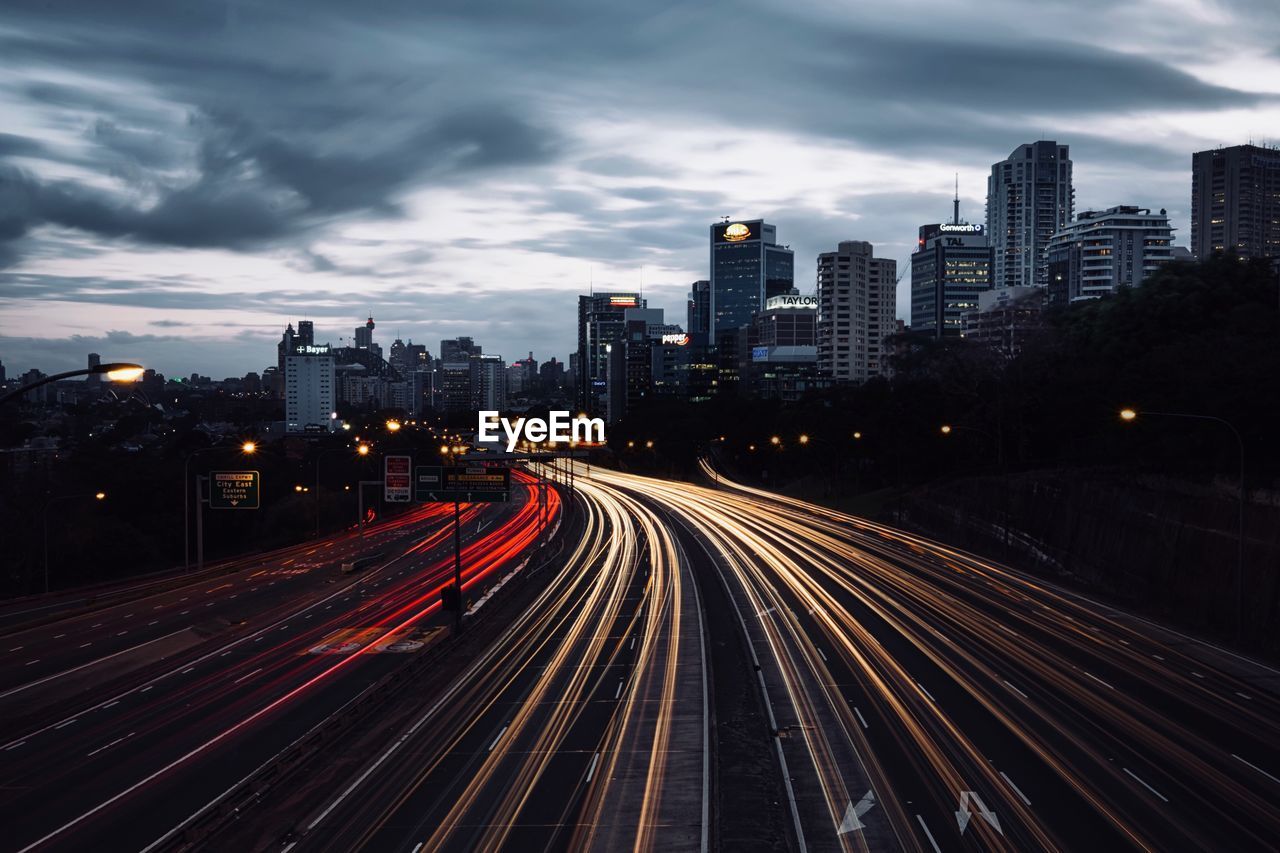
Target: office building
778,351
451,392
285,348
458,349
364,335
747,267
601,318
856,312
306,333
1235,201
950,267
1029,199
310,392
698,320
1104,250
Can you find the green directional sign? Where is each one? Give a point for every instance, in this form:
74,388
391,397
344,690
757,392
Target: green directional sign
465,483
233,490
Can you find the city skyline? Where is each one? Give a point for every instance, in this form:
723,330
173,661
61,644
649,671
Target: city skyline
160,209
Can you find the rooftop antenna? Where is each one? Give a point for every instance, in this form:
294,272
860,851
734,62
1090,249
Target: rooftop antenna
955,209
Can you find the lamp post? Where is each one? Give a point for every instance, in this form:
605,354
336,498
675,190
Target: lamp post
248,448
116,371
45,513
1130,415
361,450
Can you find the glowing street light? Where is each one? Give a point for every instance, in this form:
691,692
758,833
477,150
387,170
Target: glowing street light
393,426
857,436
117,371
363,450
775,440
804,439
249,447
649,444
946,429
1128,414
100,495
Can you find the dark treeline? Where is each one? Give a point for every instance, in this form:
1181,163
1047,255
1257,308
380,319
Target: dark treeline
1196,338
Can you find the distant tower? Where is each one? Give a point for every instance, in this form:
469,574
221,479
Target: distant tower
364,335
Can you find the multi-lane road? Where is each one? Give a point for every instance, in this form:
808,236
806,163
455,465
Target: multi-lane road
122,722
705,668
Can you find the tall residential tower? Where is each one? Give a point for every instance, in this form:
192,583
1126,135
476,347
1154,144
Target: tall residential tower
1029,199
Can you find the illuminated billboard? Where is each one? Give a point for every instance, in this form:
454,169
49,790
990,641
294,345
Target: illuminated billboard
736,232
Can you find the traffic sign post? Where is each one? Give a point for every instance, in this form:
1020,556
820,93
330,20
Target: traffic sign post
397,479
233,490
460,484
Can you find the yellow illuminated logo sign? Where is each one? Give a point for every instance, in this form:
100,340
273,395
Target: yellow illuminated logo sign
737,232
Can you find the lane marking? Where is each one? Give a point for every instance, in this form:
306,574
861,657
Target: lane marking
110,704
591,771
618,692
1015,788
1096,678
929,834
66,723
1255,767
113,743
1016,690
926,692
861,719
250,675
1145,785
499,737
14,745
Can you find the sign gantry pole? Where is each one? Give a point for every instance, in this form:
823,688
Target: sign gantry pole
457,563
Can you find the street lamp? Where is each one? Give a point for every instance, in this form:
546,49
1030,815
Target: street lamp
857,436
118,371
45,518
248,448
393,426
804,439
1129,415
649,444
363,449
775,440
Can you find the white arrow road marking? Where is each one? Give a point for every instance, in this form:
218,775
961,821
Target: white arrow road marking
963,814
853,815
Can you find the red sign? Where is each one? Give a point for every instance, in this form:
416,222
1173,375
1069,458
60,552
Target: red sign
397,479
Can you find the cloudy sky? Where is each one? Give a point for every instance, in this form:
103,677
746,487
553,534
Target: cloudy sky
179,178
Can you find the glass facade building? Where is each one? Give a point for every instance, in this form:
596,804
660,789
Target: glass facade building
747,267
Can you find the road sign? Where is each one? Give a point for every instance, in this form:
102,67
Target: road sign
233,490
397,479
466,483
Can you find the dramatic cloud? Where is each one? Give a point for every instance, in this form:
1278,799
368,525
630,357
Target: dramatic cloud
213,170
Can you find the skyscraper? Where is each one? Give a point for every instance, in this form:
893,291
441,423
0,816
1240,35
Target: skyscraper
488,382
950,267
699,316
310,390
458,349
601,317
747,267
1235,201
1104,250
1029,199
306,333
364,335
856,307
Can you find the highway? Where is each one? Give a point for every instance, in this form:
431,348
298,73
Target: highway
705,668
928,699
584,726
124,721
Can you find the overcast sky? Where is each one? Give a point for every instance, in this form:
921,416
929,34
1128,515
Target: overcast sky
180,178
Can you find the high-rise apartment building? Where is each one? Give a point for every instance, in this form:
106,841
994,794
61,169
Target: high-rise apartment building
856,312
1103,250
310,392
306,333
488,382
601,317
458,349
1235,201
747,267
1029,199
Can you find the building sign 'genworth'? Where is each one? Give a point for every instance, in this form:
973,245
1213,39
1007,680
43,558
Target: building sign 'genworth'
963,228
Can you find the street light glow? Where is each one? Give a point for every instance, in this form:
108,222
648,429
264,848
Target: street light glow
248,447
775,440
946,429
857,436
804,439
363,450
101,495
393,426
1128,414
649,444
124,372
